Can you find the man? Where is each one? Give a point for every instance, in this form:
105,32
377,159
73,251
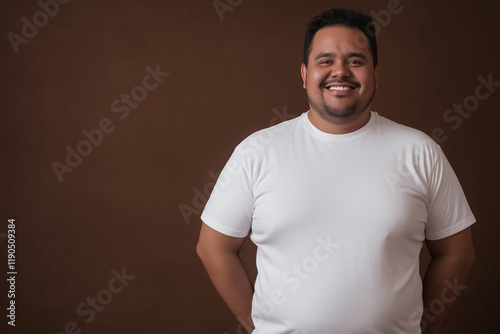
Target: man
339,202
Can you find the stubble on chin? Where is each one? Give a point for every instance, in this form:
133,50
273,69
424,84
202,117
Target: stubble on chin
333,115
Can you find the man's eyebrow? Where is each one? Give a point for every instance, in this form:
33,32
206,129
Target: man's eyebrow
348,55
356,54
324,54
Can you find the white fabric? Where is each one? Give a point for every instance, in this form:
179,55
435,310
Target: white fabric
339,222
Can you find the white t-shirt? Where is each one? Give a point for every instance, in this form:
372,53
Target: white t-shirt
339,222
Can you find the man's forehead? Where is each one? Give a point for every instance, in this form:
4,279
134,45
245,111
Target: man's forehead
341,38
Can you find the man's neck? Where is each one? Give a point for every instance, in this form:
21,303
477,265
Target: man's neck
342,127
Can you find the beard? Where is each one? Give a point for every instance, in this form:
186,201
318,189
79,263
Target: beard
336,115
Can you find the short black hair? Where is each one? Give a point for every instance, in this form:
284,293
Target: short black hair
345,17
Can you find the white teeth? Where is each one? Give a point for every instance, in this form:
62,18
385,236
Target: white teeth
339,88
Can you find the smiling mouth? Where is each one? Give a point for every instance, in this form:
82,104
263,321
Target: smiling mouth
339,88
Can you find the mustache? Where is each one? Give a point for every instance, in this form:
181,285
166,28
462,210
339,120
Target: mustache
340,81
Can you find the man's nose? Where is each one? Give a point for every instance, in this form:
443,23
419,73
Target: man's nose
340,69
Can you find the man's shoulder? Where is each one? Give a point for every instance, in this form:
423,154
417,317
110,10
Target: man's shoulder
271,135
404,133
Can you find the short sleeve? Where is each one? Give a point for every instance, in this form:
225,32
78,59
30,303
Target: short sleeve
449,212
229,209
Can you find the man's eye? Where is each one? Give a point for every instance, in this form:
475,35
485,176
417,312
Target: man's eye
325,61
354,62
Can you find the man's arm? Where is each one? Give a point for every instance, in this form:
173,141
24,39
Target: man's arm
220,256
451,260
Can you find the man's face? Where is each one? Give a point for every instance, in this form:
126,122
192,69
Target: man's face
340,80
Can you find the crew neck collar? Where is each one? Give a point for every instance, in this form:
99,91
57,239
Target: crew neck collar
338,137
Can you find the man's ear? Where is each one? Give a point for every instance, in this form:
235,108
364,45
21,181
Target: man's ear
303,73
377,71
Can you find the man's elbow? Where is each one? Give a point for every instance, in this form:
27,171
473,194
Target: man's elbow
201,250
206,252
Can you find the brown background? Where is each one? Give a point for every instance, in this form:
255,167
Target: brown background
120,206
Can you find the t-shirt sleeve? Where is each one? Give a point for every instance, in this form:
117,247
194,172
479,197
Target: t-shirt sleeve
449,212
229,209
